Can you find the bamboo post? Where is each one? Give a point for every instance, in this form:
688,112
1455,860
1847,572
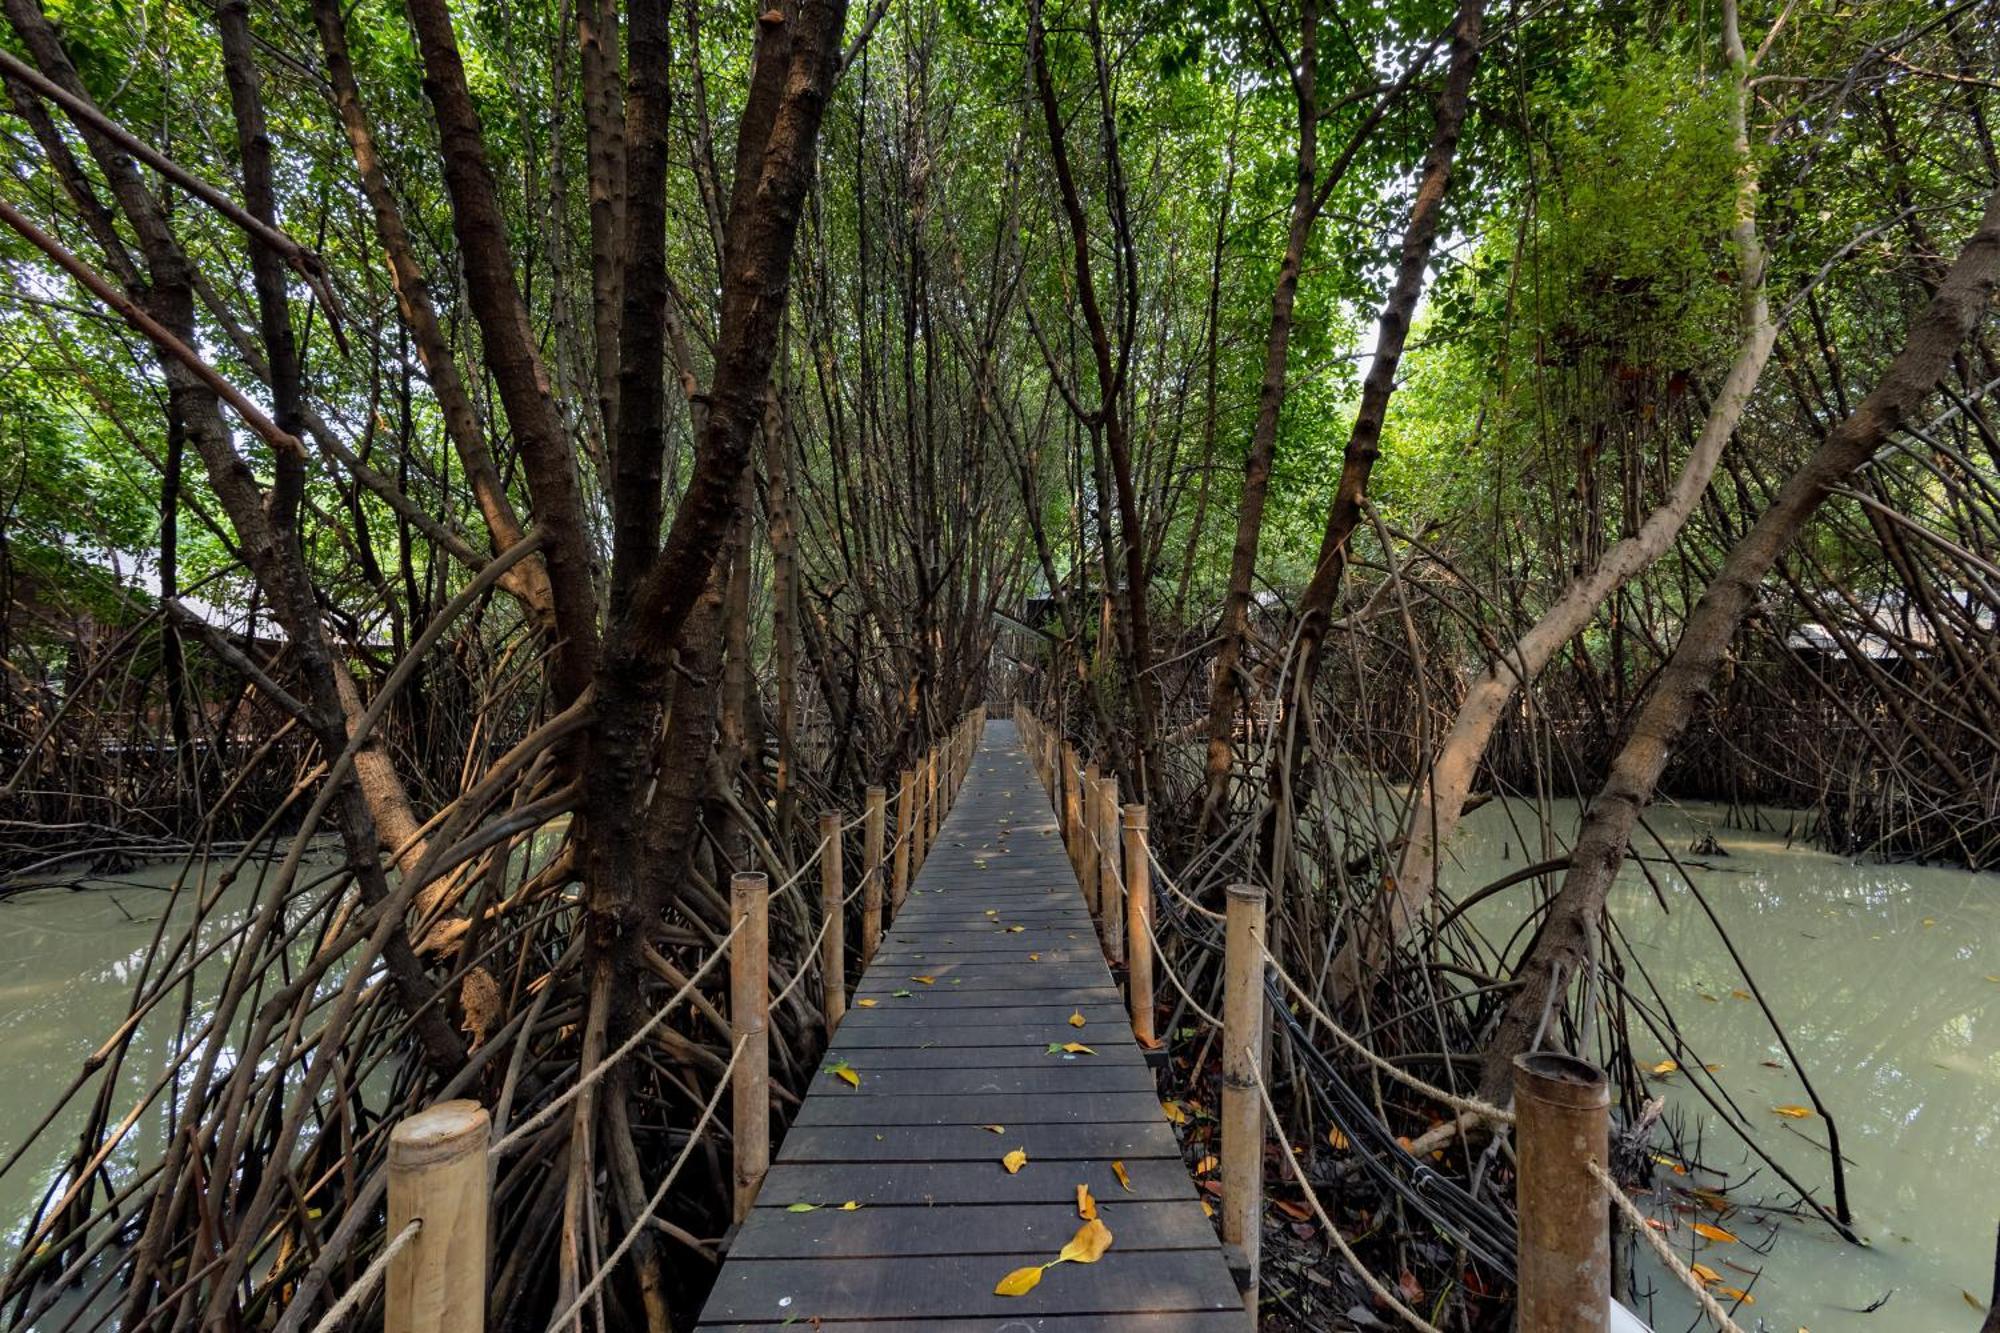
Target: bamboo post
833,945
1562,1107
1138,926
437,1178
899,874
1110,890
918,847
1242,1115
1086,838
1072,809
871,858
931,812
750,1022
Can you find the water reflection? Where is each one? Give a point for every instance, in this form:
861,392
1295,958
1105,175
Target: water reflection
1887,979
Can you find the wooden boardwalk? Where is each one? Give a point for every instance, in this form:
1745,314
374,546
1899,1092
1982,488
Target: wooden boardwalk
949,1035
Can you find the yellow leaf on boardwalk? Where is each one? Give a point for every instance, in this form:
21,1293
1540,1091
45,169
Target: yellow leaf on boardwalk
1034,958
994,1129
851,1206
1088,1245
1794,1112
1086,1207
1015,1160
1714,1233
1077,1048
1118,1170
866,1004
1015,930
845,1072
928,981
1019,1282
1076,1019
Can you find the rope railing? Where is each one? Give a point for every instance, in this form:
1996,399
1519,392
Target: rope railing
370,1278
441,1178
1559,1234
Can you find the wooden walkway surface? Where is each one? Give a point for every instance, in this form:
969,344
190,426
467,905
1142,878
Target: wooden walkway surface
997,925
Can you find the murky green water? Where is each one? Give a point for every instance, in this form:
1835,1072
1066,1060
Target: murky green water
1887,979
1883,976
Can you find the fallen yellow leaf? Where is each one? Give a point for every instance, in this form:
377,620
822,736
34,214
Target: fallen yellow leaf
1015,1160
1086,1207
1735,1294
1704,1272
1207,1210
1794,1112
1173,1112
1118,1170
1205,1165
845,1072
1077,1048
866,1004
851,1206
1336,1138
1034,958
1019,1282
928,981
1015,930
994,1129
1076,1019
1666,1066
1714,1233
1088,1245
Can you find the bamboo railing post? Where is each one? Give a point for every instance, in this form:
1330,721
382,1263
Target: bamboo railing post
1110,878
1086,838
750,1022
1072,808
1138,926
1242,1116
871,892
899,874
833,946
438,1179
919,820
931,812
1562,1107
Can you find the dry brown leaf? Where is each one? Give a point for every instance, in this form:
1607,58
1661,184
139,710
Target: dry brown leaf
1118,1170
1086,1207
1015,1160
1294,1210
1088,1245
1019,1282
1714,1233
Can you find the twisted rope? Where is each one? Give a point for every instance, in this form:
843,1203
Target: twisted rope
370,1276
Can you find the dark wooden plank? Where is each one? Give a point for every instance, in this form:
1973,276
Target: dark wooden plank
1056,1078
975,1057
907,1230
1050,1181
971,1143
961,997
772,1291
994,1108
916,1013
1185,1321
